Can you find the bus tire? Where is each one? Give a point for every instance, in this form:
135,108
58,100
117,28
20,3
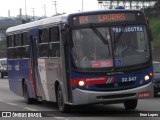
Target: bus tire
27,99
130,104
60,101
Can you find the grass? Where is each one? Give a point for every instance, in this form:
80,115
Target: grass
155,27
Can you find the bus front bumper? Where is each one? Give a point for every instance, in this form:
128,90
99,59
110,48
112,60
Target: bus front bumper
90,97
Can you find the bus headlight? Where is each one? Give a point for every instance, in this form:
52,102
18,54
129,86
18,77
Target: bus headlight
146,77
81,83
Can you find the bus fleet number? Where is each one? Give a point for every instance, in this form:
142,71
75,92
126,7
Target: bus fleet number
129,79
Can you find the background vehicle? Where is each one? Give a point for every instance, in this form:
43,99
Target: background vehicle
3,67
156,71
82,58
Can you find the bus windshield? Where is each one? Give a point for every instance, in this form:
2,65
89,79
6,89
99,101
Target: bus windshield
130,47
89,50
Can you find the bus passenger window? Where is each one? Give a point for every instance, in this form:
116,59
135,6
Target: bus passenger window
25,40
17,39
43,35
43,50
54,50
10,41
10,53
25,52
18,52
53,34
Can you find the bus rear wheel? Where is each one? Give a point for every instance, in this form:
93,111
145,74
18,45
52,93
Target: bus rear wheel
27,99
60,101
130,104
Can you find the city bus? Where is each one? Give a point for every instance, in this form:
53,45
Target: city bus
82,58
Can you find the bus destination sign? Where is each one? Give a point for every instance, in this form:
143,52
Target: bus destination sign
103,18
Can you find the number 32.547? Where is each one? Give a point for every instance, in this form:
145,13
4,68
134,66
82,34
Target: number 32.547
129,79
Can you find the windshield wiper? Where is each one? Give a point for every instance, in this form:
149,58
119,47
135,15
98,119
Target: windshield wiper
120,33
98,33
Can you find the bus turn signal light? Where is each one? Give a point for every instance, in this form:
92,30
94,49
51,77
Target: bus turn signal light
151,74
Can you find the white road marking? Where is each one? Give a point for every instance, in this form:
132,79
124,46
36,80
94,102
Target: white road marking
12,104
60,118
31,109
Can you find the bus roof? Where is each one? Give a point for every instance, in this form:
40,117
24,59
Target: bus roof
42,22
61,19
105,11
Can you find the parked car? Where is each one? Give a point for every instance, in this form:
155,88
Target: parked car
156,70
3,67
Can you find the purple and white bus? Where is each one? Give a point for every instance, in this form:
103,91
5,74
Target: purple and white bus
82,58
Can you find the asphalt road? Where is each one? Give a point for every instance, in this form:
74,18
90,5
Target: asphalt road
11,102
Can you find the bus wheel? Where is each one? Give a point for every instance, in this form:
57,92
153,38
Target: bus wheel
27,99
130,104
60,101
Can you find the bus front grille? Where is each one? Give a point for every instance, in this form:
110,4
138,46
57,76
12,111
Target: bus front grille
116,96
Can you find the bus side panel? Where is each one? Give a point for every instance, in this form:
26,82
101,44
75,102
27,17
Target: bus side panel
48,74
26,75
18,70
14,77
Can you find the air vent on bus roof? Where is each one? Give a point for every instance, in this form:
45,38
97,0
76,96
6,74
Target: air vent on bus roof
119,7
